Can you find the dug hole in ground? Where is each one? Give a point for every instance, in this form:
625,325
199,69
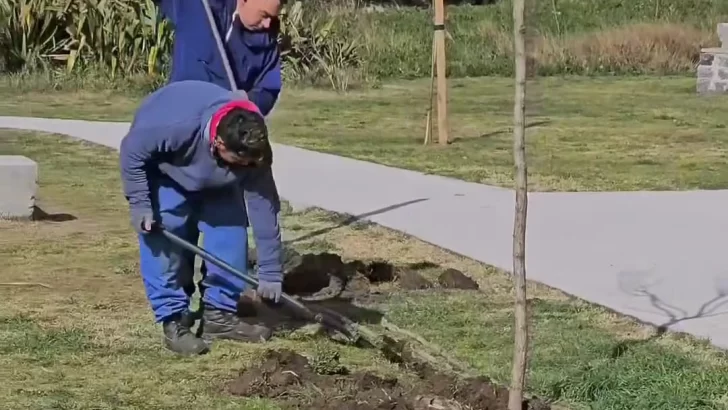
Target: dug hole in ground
344,287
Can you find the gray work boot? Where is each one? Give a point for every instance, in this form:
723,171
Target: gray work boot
219,324
178,337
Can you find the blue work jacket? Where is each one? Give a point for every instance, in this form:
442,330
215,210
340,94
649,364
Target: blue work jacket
254,55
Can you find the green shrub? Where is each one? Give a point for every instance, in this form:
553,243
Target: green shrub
339,43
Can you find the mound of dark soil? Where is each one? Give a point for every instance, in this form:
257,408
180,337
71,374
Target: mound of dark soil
289,378
326,275
454,279
316,277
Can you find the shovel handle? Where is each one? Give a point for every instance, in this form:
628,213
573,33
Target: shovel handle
208,257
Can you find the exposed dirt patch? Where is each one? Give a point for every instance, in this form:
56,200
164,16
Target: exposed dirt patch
310,273
454,279
291,379
380,271
325,279
325,275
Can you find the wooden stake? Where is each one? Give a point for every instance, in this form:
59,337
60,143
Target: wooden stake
428,123
428,128
442,120
520,350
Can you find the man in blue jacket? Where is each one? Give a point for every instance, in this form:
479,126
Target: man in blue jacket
249,30
194,154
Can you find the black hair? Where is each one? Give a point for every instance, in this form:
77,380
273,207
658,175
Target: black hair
246,134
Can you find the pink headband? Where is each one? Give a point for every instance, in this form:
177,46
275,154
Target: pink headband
247,105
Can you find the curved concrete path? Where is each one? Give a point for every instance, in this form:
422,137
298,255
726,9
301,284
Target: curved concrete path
656,256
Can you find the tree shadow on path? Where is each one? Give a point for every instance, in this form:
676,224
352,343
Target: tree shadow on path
498,132
354,219
675,314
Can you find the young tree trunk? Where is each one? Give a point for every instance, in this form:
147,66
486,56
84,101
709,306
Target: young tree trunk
520,351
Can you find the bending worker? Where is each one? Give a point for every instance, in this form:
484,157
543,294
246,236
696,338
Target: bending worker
249,30
195,153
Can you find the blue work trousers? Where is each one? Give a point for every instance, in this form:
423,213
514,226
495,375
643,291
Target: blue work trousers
220,216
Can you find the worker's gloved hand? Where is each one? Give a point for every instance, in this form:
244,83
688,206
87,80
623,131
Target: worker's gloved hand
270,290
142,220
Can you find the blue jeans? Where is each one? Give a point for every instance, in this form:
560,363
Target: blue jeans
221,217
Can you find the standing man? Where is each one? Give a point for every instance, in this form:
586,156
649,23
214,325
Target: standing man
193,152
249,30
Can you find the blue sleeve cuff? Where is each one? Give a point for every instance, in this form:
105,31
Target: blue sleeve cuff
270,277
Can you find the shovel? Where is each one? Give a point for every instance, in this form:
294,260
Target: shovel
327,318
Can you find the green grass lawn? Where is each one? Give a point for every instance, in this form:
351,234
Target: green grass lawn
88,341
586,134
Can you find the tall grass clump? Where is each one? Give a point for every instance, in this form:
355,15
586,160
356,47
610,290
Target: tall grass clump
340,43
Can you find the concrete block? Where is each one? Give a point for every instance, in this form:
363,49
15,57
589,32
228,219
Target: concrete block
705,71
723,34
18,186
721,59
703,86
712,71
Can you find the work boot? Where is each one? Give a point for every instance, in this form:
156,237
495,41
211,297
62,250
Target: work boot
178,337
219,324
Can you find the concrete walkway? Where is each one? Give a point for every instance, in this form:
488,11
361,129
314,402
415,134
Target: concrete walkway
656,256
